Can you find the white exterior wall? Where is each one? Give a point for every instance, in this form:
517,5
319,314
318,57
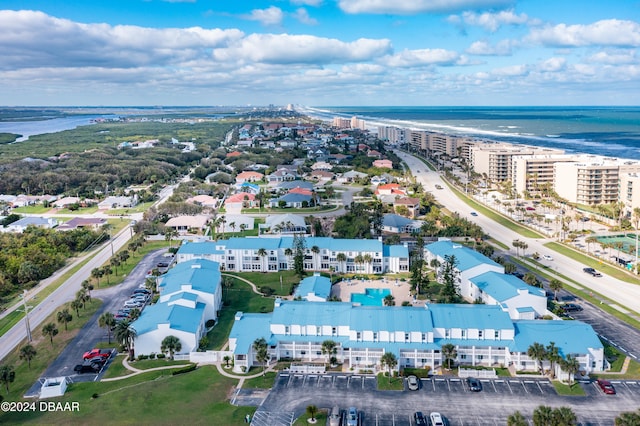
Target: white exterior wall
466,287
525,300
150,342
212,301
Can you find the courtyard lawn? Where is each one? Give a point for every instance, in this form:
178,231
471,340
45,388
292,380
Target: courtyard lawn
564,389
321,418
272,280
155,397
239,297
263,382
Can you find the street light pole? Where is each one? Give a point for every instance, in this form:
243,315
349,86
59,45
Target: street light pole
26,314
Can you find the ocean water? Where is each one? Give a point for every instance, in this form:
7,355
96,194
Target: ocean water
609,131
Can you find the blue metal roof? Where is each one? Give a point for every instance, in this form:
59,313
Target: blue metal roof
179,317
395,220
465,257
395,251
481,317
328,243
571,337
183,295
202,274
503,287
199,247
390,318
249,328
308,313
316,284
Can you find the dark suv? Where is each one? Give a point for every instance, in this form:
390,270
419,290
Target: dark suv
419,419
592,272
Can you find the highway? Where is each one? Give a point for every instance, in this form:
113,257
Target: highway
625,295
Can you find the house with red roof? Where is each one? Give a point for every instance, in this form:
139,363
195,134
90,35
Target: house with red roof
241,200
383,164
249,177
234,154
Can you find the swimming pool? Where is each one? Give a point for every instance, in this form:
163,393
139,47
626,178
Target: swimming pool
371,296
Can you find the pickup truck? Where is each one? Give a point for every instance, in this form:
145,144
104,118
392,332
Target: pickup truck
97,353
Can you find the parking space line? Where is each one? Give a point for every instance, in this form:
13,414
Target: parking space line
524,386
539,387
494,387
509,386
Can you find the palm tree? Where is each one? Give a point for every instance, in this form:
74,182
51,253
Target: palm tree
7,375
106,271
553,356
134,314
289,253
232,225
590,240
243,227
64,317
28,352
341,258
262,253
449,353
564,416
171,344
315,250
107,320
389,300
262,355
368,259
543,416
389,360
359,260
125,335
628,419
538,353
312,410
329,348
555,285
81,296
115,262
571,365
76,305
50,330
517,419
169,235
97,273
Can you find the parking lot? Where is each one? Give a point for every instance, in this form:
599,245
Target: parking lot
113,299
499,398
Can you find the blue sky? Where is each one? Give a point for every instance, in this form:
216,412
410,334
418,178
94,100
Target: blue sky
320,52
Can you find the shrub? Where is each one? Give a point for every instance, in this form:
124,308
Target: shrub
187,369
152,356
161,356
94,396
267,291
210,323
141,357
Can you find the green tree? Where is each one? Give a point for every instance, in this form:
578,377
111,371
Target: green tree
226,359
299,247
312,410
64,317
537,352
316,251
555,285
263,254
97,273
449,354
28,352
76,305
124,334
342,259
171,344
7,375
329,348
449,272
628,418
571,365
50,330
543,416
261,353
564,416
108,321
517,419
389,361
389,300
553,355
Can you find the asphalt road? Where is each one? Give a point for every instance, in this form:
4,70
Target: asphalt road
625,294
450,396
112,300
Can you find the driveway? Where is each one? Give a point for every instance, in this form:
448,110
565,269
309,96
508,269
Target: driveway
112,299
292,393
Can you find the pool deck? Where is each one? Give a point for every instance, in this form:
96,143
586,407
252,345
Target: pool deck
400,291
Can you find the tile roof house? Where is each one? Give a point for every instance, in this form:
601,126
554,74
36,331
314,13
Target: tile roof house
82,222
249,177
21,225
412,205
241,200
204,201
482,335
183,224
383,164
322,175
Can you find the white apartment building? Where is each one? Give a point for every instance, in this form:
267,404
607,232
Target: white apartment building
495,159
629,193
592,180
394,135
530,173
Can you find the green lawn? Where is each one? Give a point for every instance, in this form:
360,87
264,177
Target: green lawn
564,389
261,382
272,280
155,397
633,372
321,418
81,210
34,209
240,297
396,383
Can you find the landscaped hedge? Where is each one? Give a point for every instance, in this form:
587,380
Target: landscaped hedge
422,373
184,370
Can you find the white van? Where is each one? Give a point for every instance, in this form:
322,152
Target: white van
334,417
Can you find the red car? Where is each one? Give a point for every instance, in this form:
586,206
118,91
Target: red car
97,353
606,387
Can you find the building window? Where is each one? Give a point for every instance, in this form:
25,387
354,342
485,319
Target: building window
318,331
406,337
424,337
358,335
286,329
496,335
479,334
375,337
334,330
464,333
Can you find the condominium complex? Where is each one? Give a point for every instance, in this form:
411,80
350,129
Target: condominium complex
495,159
531,173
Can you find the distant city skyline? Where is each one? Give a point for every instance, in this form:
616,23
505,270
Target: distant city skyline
320,52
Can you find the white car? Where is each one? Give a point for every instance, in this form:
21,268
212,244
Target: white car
436,419
547,257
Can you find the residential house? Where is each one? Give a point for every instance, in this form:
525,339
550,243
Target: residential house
292,200
82,222
284,224
519,298
249,187
397,224
63,203
185,224
322,176
282,175
411,204
118,202
204,201
351,176
21,225
321,165
383,164
241,200
249,177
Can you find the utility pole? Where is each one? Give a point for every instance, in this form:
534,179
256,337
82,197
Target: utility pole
26,314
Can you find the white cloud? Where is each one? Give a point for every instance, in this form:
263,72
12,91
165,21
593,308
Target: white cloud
302,15
511,71
491,21
34,39
272,16
553,64
292,49
407,7
615,58
483,48
420,57
609,32
306,2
